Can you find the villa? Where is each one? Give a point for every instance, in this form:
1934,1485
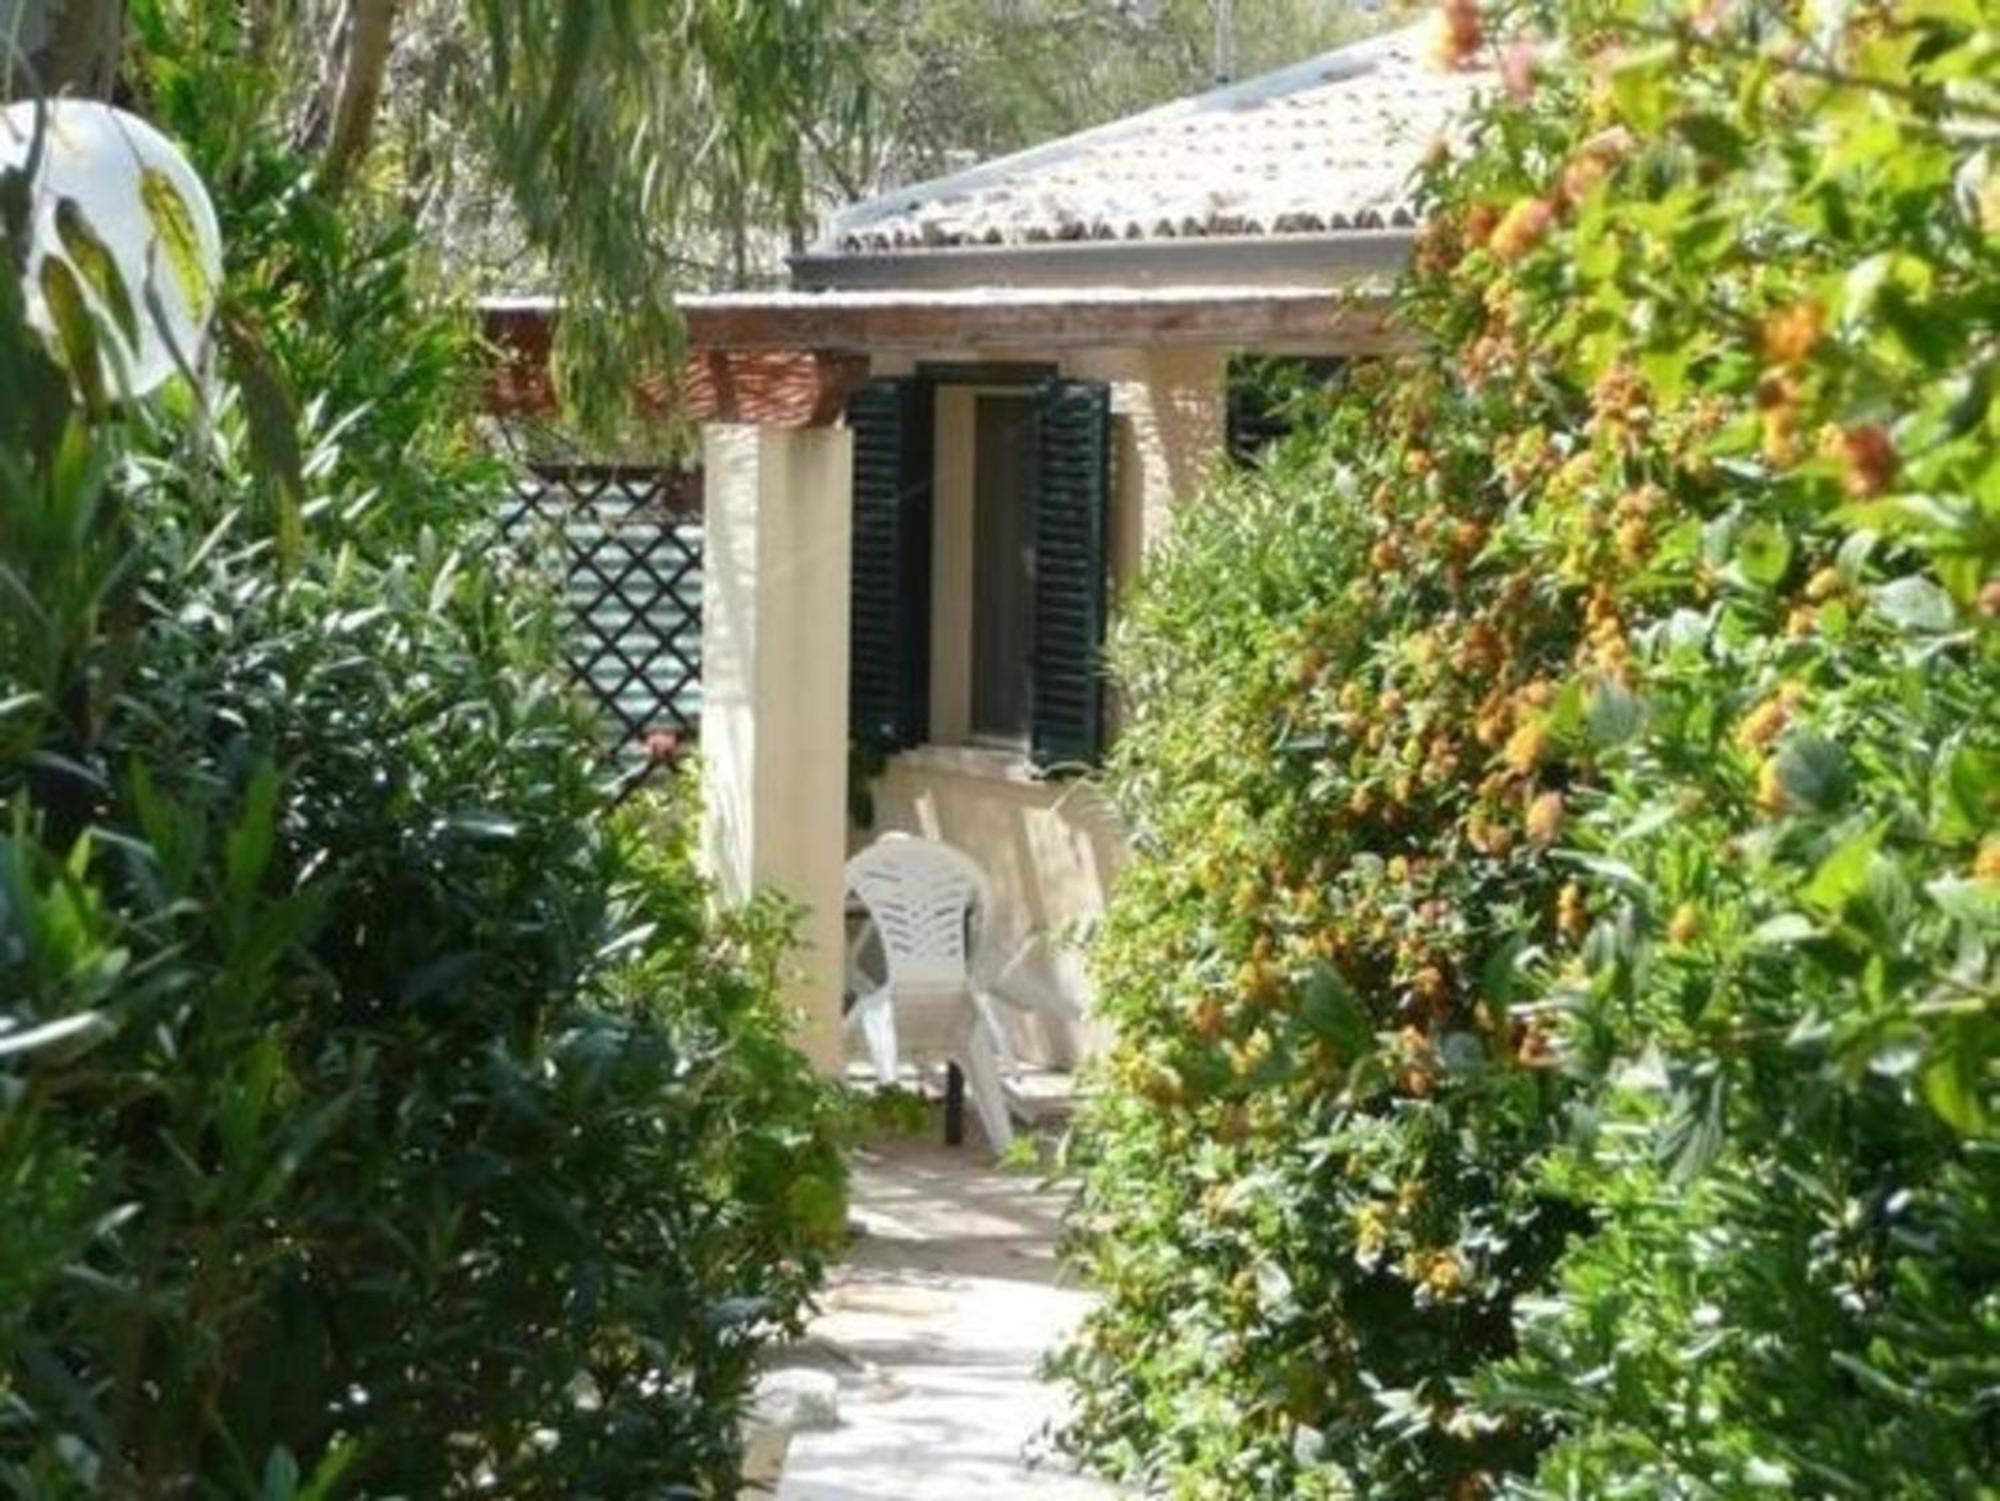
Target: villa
936,459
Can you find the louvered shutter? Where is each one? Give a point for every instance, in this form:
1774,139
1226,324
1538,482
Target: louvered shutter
1072,498
890,599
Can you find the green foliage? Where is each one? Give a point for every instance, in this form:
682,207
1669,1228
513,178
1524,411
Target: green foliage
702,109
954,81
610,154
379,1112
350,307
1555,998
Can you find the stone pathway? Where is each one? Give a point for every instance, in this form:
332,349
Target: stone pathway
934,1330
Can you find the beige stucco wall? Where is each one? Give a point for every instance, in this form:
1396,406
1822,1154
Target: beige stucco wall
1051,849
776,527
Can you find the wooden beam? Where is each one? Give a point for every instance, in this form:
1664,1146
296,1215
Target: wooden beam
518,383
862,323
791,359
784,387
771,388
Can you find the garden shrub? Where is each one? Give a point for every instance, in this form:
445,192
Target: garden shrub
1554,992
380,1112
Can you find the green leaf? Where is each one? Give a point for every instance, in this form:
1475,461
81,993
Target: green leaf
281,1477
1499,970
271,417
1619,873
76,334
279,927
1329,1007
1275,1292
326,1476
1843,875
1782,931
572,52
1713,136
1566,714
1767,1475
1615,714
1639,84
1966,899
1692,1137
71,1033
1917,604
1951,1076
1813,772
172,221
484,826
1666,372
94,261
247,852
1764,553
1879,274
1886,896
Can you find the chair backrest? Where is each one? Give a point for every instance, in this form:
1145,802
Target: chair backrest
923,897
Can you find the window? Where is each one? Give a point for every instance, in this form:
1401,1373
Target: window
980,526
1267,395
1003,568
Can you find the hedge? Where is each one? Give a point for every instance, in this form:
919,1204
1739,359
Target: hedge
381,1111
1554,997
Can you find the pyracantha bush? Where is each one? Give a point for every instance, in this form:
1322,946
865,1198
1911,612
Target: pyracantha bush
1554,993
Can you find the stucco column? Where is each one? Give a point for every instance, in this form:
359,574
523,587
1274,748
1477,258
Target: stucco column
774,690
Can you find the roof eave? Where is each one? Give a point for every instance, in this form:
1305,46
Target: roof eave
1301,319
1336,257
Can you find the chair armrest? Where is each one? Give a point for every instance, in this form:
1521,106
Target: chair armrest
1012,985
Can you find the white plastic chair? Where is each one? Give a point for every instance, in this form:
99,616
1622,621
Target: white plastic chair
927,901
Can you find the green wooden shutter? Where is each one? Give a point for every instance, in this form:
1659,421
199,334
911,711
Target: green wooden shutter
890,590
1072,500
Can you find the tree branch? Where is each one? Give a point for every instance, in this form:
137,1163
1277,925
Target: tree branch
70,45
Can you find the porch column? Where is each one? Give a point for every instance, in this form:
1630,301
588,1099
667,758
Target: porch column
774,690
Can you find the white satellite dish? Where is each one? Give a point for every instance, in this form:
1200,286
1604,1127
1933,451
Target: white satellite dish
136,194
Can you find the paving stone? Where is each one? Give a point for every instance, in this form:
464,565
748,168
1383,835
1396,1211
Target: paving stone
934,1332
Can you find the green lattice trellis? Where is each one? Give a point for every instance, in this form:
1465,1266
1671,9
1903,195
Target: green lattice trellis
631,540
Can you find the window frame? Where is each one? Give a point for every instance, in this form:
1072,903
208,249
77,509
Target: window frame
1075,500
956,391
984,402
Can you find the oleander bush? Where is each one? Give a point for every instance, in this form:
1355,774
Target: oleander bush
1554,995
381,1114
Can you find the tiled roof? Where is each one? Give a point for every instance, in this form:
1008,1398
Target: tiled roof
1329,144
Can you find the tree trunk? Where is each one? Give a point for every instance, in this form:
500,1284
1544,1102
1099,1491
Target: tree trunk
62,47
370,34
